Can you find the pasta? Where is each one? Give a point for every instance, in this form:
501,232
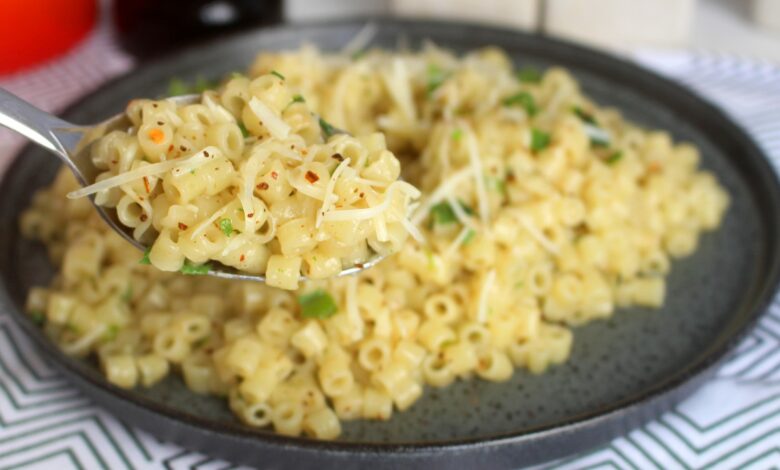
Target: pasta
540,211
250,178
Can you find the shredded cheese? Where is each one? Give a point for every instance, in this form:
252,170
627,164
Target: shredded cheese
222,114
531,228
329,191
456,243
479,179
138,173
275,125
360,40
397,83
201,227
445,188
482,312
371,212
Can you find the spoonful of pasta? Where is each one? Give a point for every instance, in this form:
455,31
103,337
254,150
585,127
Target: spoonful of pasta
244,182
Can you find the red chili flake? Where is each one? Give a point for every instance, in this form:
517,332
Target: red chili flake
359,265
147,186
304,152
338,157
143,217
362,194
170,148
182,148
250,215
262,186
312,177
205,153
114,162
510,177
654,167
292,147
160,123
182,226
154,105
242,258
274,175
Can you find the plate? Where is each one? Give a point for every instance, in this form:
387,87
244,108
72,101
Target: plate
623,372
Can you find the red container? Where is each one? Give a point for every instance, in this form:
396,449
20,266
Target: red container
32,31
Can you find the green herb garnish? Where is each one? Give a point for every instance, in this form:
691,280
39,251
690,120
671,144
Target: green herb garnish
274,72
584,115
297,99
523,99
457,134
226,225
529,75
614,158
177,87
38,317
317,304
244,131
327,128
496,184
469,236
145,258
192,269
201,85
111,332
442,213
436,77
539,140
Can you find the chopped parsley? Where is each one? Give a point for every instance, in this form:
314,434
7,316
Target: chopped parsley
327,128
274,72
598,136
584,115
178,87
244,131
523,99
457,134
145,258
38,317
598,139
357,55
496,184
431,259
539,140
226,225
317,304
614,157
436,77
192,269
529,75
297,99
442,213
111,332
469,236
447,343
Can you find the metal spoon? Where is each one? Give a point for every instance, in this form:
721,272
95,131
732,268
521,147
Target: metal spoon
71,143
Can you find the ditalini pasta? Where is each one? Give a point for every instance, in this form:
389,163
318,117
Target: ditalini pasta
250,178
540,211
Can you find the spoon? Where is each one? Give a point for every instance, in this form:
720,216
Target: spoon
71,143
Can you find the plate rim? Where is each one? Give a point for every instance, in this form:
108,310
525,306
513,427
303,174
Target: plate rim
656,399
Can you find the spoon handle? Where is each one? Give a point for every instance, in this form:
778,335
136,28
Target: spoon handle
31,122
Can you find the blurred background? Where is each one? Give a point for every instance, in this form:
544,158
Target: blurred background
35,31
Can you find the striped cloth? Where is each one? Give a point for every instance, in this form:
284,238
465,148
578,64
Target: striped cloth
45,423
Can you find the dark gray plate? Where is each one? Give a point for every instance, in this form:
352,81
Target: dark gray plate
623,371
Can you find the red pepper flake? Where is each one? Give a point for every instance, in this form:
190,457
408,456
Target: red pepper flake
182,226
182,148
359,265
304,152
242,258
170,148
262,186
147,186
250,215
160,123
362,195
312,177
205,153
654,167
114,162
338,157
274,175
510,177
143,217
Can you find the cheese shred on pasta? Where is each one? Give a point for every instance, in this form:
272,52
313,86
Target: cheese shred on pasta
538,211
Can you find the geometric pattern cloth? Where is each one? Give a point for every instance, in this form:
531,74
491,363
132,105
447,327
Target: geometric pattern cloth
733,421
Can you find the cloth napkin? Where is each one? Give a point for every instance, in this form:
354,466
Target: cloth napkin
731,422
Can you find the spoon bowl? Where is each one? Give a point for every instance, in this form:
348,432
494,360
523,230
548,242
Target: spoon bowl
71,143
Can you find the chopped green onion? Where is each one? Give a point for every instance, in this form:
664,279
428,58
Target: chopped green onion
177,87
524,99
244,131
529,75
145,258
436,77
38,317
614,158
317,304
584,115
327,128
274,72
442,213
111,332
357,55
457,134
495,184
447,344
469,236
539,140
192,269
431,259
226,225
599,141
297,99
201,85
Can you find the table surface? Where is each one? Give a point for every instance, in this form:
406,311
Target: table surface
732,422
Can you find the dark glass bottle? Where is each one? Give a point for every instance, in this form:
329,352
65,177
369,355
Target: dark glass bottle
148,28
